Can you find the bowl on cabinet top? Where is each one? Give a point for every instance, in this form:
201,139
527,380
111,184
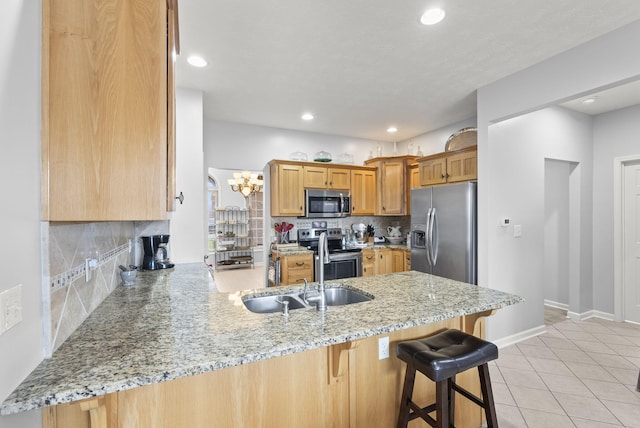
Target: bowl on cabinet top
394,241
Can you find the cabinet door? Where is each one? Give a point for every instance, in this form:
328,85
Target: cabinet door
104,98
173,50
368,262
462,167
363,192
392,188
287,192
339,178
398,260
315,177
407,260
433,171
414,176
384,261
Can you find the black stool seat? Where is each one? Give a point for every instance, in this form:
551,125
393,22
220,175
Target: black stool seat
441,357
446,354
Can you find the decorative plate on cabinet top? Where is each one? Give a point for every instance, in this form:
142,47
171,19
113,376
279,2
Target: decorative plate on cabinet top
322,156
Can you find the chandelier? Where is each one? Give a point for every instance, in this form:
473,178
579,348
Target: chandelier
246,183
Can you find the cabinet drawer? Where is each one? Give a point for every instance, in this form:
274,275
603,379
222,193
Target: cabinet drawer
298,263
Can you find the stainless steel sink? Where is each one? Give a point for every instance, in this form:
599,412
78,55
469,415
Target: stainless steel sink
337,296
344,296
268,304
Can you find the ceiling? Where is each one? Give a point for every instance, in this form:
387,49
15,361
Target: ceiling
361,66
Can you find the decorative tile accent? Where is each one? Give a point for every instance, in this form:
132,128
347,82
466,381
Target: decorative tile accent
66,278
68,299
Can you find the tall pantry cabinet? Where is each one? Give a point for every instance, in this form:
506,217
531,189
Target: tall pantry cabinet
108,144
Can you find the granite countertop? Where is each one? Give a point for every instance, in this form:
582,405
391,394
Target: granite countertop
174,323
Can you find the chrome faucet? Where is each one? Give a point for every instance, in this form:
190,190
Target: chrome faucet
323,258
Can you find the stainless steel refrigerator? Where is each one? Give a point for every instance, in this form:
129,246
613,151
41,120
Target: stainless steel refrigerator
444,231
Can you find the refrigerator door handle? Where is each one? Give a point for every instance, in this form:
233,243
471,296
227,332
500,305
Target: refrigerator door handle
427,238
433,236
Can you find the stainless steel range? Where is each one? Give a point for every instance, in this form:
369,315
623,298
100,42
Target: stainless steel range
343,262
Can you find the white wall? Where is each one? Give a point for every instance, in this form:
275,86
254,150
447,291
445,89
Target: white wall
434,141
519,147
601,63
188,240
615,134
249,147
20,347
556,231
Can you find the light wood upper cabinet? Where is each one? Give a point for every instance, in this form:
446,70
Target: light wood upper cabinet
173,49
392,184
319,177
105,123
414,176
363,192
462,166
287,190
449,167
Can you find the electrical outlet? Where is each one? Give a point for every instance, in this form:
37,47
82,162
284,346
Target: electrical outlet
383,348
10,308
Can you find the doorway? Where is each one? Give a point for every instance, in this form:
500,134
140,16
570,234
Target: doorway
627,238
562,236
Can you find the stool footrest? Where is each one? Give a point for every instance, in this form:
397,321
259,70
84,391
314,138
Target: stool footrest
467,394
422,412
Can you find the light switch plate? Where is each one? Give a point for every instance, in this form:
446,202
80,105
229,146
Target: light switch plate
517,231
10,308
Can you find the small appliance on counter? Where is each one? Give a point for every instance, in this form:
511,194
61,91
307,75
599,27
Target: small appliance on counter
156,255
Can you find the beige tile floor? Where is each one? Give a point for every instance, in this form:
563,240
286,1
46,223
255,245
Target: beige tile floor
577,374
239,279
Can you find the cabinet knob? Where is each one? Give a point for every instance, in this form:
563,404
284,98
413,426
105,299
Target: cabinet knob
180,197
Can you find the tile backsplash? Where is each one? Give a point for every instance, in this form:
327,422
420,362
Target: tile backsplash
68,298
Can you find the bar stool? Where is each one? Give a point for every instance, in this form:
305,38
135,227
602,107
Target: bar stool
441,357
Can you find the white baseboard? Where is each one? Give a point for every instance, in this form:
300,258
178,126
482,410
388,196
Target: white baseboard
556,305
519,337
590,314
580,316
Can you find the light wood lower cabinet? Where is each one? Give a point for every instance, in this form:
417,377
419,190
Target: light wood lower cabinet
343,385
379,261
295,268
368,262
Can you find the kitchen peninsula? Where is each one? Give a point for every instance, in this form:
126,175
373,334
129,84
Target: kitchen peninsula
173,351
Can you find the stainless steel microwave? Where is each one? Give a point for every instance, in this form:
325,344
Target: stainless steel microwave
327,203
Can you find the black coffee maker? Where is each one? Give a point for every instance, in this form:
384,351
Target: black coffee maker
156,255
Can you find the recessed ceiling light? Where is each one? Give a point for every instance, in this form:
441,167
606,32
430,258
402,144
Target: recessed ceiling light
589,100
307,116
432,16
197,61
392,129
